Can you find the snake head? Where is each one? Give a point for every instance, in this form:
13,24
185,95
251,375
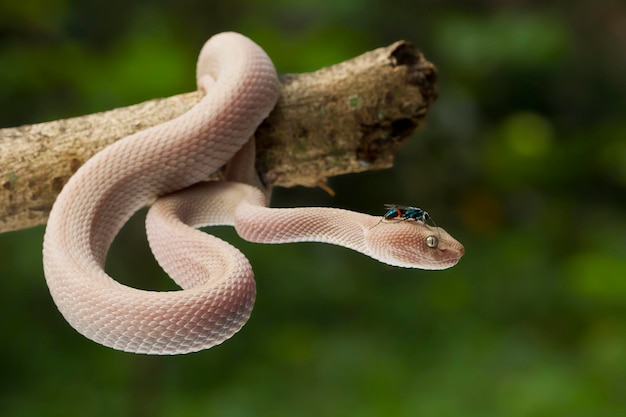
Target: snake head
414,245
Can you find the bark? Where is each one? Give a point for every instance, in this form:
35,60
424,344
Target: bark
347,118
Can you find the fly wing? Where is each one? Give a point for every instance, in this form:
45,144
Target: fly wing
397,206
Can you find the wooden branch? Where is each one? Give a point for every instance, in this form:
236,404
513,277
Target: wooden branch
342,119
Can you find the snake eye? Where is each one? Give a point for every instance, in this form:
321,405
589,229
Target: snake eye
432,241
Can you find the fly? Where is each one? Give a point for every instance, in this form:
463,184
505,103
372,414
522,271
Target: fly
404,213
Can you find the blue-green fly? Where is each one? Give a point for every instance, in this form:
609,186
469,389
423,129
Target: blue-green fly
395,211
411,213
403,213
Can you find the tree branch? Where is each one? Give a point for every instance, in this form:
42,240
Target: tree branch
347,118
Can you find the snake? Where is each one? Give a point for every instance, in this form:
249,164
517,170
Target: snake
167,168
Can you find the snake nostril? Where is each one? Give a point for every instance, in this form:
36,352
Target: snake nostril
452,252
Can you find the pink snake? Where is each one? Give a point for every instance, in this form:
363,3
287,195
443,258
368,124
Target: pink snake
169,162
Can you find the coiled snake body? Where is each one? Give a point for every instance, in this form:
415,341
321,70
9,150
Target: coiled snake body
218,287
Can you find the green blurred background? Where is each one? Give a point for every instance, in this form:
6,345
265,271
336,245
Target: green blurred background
523,160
